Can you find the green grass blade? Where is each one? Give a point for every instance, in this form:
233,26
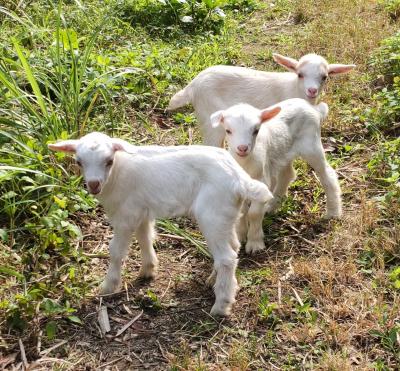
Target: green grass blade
17,93
31,78
25,170
174,229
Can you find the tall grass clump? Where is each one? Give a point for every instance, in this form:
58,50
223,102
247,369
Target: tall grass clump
42,100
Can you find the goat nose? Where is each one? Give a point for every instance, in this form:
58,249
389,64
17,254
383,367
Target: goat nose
313,91
243,148
94,186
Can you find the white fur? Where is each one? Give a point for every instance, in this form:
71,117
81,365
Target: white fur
268,156
220,87
136,185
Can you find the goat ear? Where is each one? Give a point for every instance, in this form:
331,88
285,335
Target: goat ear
64,146
334,69
217,118
288,63
269,113
117,146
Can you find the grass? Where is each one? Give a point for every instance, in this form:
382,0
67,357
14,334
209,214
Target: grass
324,295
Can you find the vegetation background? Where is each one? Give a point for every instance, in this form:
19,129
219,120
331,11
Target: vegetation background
324,295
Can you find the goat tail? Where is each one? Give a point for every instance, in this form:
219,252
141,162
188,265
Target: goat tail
257,191
323,110
181,98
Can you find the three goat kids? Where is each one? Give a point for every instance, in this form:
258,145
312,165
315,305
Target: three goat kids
265,143
220,87
136,185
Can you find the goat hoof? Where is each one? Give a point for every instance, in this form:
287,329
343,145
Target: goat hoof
109,287
241,231
254,246
146,274
333,215
220,311
272,206
242,235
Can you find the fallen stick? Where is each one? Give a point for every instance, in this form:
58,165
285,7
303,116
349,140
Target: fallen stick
23,355
125,327
103,320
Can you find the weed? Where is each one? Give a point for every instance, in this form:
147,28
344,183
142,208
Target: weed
150,301
392,7
240,356
389,339
306,312
385,168
395,277
167,17
380,365
203,328
267,310
253,277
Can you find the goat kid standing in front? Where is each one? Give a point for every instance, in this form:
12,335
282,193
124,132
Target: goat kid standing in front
265,143
220,87
152,182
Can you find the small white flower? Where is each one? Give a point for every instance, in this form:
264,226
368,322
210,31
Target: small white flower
219,12
187,19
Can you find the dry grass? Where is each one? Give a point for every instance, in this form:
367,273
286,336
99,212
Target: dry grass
344,31
326,282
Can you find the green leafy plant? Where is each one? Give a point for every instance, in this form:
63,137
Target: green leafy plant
267,309
389,339
164,17
150,301
306,312
385,167
253,277
386,65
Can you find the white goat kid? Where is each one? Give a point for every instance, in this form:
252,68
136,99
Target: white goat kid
266,150
156,182
220,87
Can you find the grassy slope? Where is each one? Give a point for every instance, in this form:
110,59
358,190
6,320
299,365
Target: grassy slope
314,297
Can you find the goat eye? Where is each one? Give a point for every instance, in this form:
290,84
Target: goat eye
109,162
228,131
255,132
300,75
78,163
324,77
